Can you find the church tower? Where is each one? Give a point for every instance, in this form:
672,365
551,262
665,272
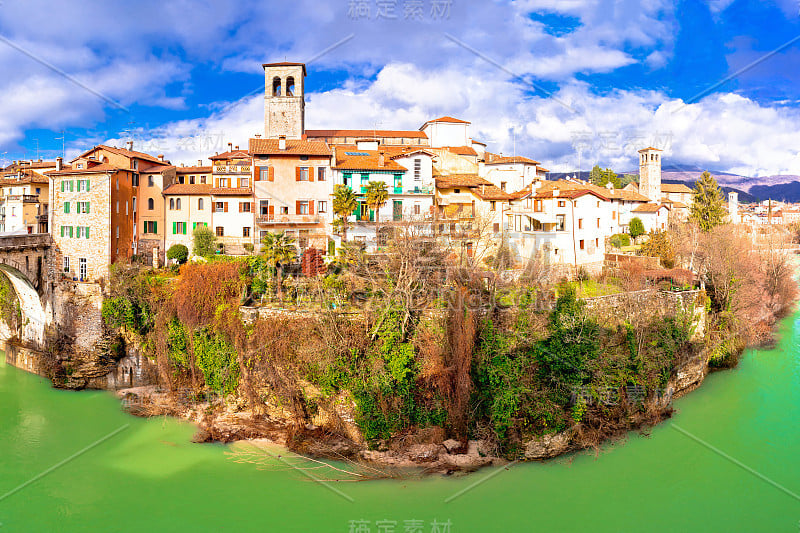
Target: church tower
284,101
650,173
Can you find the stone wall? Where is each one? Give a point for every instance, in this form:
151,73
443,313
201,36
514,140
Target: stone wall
77,311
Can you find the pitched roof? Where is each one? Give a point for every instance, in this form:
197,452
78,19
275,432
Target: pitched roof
96,169
188,189
293,147
461,150
156,169
353,159
124,152
193,170
675,187
491,192
649,148
232,154
25,176
628,195
21,165
500,160
366,133
447,119
460,180
649,208
232,191
572,190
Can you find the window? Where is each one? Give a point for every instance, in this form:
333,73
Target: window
172,204
135,164
220,207
66,263
177,204
203,180
492,206
83,268
83,207
263,174
150,204
284,210
496,227
598,222
597,243
222,183
117,232
263,207
126,207
580,223
560,222
322,206
181,180
502,185
456,191
416,209
191,180
537,206
418,169
244,182
302,207
80,166
199,204
150,181
302,173
151,226
220,231
246,231
245,207
562,203
321,174
79,207
135,180
179,228
347,178
582,244
117,183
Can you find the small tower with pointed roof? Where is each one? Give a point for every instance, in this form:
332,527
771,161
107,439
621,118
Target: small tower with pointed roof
650,173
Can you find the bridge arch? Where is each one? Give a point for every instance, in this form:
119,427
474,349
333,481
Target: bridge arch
34,317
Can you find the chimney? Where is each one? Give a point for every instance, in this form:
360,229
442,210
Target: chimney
237,147
59,163
381,159
556,192
199,162
160,157
282,142
130,146
230,147
258,135
483,189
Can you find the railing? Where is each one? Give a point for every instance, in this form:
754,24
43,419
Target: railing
26,198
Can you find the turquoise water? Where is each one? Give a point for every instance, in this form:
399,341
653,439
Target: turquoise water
149,476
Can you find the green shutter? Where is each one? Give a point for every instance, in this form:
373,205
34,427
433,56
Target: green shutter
174,225
194,226
86,231
87,185
62,231
184,228
155,227
62,185
87,204
66,207
71,183
71,233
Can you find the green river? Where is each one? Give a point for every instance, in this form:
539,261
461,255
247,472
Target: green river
729,460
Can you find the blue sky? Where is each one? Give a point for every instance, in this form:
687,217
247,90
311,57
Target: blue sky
566,82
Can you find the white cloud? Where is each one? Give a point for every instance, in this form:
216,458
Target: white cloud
723,132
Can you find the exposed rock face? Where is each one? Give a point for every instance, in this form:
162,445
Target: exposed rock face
549,445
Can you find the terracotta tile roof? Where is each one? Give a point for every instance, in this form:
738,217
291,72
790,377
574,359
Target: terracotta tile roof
500,160
232,154
447,119
460,180
285,64
193,170
677,205
649,208
371,161
293,147
402,151
232,191
123,151
21,165
542,169
26,176
188,189
96,169
462,150
491,192
675,187
156,169
650,148
570,189
628,195
366,133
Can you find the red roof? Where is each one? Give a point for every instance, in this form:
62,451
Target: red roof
124,152
649,208
447,119
104,167
293,147
188,189
366,133
193,170
650,148
370,161
462,150
499,160
234,154
461,180
156,169
232,191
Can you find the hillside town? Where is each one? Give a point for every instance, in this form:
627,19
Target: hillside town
112,203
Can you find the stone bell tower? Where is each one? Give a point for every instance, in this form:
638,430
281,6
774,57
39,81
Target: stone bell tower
284,102
650,173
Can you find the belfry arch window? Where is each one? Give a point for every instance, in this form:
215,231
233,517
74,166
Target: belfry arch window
290,86
276,86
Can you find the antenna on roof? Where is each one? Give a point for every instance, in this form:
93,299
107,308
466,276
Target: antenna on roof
63,143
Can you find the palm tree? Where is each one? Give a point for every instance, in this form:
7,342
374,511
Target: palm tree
278,250
344,203
376,196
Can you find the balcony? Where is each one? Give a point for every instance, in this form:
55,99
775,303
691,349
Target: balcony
24,198
268,220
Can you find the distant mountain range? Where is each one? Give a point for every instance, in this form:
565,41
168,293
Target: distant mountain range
783,187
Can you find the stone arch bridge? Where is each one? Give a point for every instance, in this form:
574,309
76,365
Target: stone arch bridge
24,261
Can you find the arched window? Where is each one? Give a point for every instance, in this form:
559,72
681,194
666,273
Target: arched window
178,203
290,86
150,204
172,203
276,86
199,204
